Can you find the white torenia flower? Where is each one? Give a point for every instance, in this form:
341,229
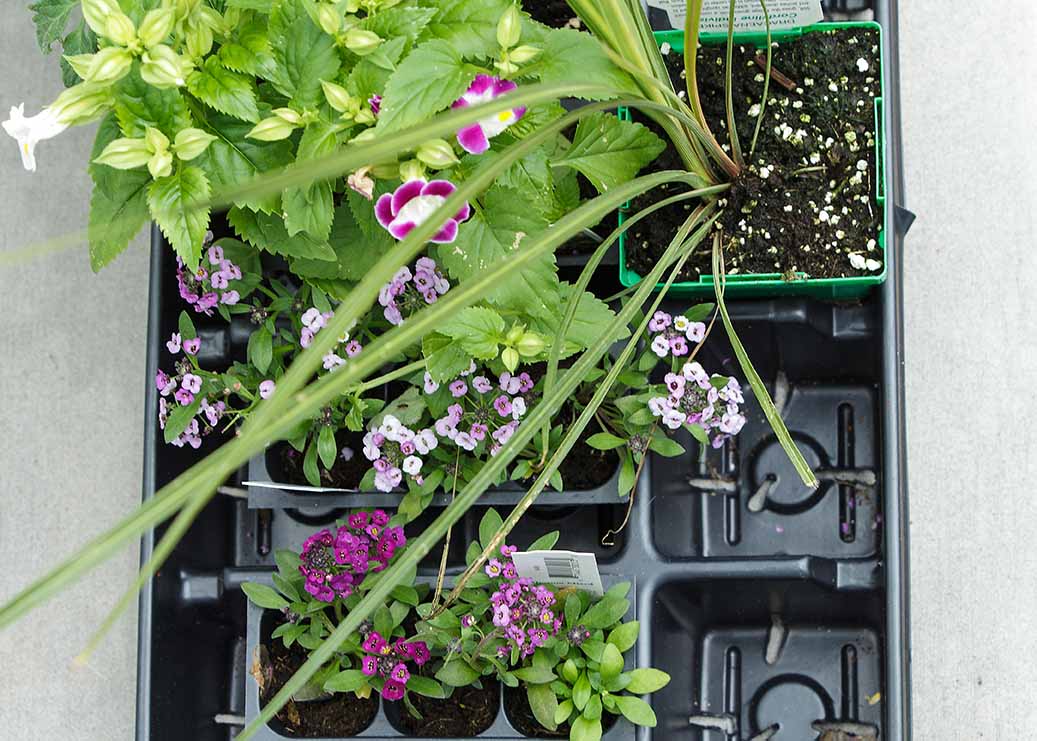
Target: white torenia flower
31,130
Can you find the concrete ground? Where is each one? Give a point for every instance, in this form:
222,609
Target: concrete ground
72,362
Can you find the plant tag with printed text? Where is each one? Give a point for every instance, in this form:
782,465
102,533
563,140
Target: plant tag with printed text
783,14
561,568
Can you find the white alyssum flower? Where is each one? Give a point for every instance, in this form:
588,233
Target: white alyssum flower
31,130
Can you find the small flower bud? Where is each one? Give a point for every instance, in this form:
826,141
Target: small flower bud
156,26
119,28
523,54
530,345
96,12
160,164
510,358
361,42
514,334
156,140
162,67
190,143
330,18
509,28
80,64
109,65
368,135
364,116
81,103
411,170
124,154
289,115
506,67
337,96
437,153
271,129
199,40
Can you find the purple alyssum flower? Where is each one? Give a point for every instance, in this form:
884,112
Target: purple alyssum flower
521,608
395,450
335,563
413,203
410,291
475,138
205,289
695,397
673,333
389,661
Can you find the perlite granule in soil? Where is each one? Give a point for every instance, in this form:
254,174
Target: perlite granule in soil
805,203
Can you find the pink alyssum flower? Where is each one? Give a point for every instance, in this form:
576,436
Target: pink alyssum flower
695,397
481,418
410,291
395,450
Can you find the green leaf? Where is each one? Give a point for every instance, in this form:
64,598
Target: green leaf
260,349
645,681
226,91
178,420
457,673
406,594
563,711
118,203
249,51
444,358
581,691
536,675
666,447
303,55
425,686
477,329
407,22
311,208
605,441
593,649
264,596
545,542
700,435
287,562
431,78
620,590
571,56
173,201
263,6
593,709
489,525
408,408
608,151
591,315
327,448
544,704
349,680
584,729
636,710
606,612
139,105
611,662
468,26
625,636
627,471
234,159
185,326
51,17
268,232
699,312
572,610
309,466
82,40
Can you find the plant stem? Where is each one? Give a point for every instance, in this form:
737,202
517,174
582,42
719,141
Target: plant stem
766,80
607,538
732,130
392,375
446,540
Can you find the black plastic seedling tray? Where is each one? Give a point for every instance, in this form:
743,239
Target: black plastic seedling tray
767,605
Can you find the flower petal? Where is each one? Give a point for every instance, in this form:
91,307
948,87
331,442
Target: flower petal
439,188
473,139
401,229
447,234
383,210
407,191
463,214
481,84
502,86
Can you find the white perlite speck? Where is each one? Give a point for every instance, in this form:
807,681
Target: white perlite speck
754,110
857,260
862,64
862,165
665,47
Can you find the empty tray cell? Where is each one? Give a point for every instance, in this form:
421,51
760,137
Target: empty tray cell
751,656
582,527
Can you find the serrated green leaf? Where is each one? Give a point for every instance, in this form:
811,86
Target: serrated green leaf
118,203
444,358
470,27
226,91
645,681
428,80
173,202
478,329
544,704
636,710
51,18
311,208
81,40
401,21
571,56
609,151
138,105
303,54
268,232
264,596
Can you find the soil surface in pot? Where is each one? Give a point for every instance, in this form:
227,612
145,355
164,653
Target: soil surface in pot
586,467
342,715
467,712
805,202
554,13
345,474
516,705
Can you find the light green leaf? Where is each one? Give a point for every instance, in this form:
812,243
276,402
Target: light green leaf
564,710
636,710
260,349
226,91
407,22
173,201
303,54
544,704
666,447
349,680
624,636
457,673
545,542
611,662
536,675
268,232
627,472
593,709
444,358
327,448
264,596
584,729
425,686
606,612
609,151
477,329
118,203
581,691
605,441
179,418
139,105
591,315
489,525
431,78
645,681
468,26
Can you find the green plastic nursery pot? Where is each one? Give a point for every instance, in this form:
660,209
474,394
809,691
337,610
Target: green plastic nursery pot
775,284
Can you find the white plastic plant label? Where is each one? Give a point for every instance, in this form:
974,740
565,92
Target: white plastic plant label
748,14
561,568
301,488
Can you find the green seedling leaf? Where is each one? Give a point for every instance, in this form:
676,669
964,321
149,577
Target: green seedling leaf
264,596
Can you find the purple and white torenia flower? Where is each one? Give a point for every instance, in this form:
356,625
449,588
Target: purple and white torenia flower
475,138
413,203
695,397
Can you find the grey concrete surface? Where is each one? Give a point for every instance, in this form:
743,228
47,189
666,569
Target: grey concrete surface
72,361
